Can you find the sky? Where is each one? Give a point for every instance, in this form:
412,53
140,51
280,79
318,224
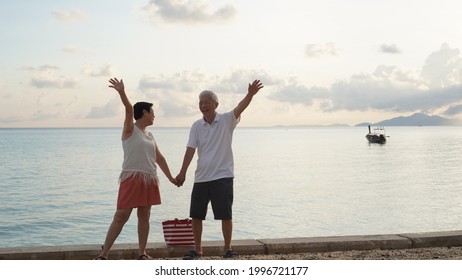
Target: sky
321,62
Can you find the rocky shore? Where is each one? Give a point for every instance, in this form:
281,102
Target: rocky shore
443,245
434,253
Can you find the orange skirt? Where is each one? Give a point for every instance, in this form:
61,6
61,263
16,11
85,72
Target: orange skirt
136,191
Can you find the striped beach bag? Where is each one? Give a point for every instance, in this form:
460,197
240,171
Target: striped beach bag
178,232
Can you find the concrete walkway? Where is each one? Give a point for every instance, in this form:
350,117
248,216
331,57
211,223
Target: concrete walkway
244,247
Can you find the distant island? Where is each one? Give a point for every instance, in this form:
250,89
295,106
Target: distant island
417,119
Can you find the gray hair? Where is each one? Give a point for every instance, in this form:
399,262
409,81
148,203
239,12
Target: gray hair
209,93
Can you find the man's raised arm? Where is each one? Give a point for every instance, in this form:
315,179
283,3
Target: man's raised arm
253,89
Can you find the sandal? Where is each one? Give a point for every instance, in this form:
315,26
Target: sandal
191,255
100,258
230,254
145,257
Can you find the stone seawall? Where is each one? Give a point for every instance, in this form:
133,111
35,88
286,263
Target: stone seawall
245,247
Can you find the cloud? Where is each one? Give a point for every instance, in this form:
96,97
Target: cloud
76,50
45,67
110,109
106,70
453,110
391,49
174,93
186,81
11,119
389,88
318,50
435,87
187,12
44,77
388,92
159,82
41,116
177,94
443,68
237,81
74,15
195,81
49,81
293,92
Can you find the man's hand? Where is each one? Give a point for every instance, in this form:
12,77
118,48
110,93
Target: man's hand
255,87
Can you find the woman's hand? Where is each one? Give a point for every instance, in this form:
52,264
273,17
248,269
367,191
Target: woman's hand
117,85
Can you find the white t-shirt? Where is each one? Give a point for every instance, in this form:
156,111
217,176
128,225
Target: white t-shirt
213,143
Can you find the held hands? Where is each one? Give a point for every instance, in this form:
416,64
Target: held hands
117,85
174,181
255,87
178,181
180,178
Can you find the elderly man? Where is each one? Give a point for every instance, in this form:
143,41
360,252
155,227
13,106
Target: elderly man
212,137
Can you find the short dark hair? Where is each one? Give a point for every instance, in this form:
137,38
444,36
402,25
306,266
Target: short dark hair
139,107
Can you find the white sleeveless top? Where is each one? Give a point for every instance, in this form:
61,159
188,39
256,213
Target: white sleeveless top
139,156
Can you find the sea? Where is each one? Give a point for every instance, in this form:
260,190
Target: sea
58,186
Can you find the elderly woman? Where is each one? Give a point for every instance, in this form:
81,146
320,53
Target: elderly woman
139,185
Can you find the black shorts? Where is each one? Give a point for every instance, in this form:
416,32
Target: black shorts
219,192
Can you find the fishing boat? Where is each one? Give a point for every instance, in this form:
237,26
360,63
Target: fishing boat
377,135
